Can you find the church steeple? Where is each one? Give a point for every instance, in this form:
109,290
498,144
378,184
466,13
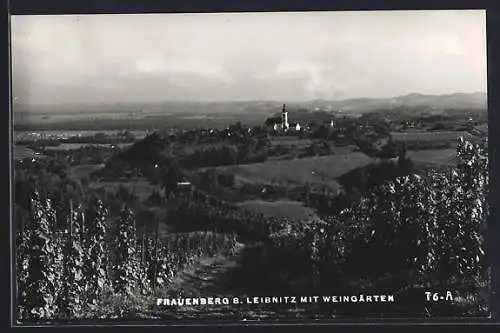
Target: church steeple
284,118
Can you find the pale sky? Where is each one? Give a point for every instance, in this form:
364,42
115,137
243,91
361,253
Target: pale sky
247,56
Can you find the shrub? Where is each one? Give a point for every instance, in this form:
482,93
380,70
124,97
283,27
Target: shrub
428,228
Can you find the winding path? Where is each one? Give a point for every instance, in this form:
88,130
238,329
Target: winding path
211,277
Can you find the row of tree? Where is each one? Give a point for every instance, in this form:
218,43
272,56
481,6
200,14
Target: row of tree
66,273
197,210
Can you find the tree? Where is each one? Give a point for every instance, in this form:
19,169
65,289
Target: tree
273,120
171,174
155,197
22,271
229,155
208,181
42,264
145,264
227,179
96,274
124,194
125,274
71,300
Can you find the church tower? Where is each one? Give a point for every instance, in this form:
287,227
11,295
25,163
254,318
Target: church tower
284,118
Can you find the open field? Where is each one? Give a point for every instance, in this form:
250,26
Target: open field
64,134
433,157
74,146
21,152
315,170
79,172
120,122
293,210
430,136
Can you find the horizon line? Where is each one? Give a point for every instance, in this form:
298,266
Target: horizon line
250,100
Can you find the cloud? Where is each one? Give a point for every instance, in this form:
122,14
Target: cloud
291,67
321,80
439,45
248,56
194,67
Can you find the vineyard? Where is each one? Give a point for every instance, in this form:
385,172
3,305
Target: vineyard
70,274
416,233
419,232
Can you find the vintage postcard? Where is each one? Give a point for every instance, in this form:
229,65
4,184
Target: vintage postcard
232,167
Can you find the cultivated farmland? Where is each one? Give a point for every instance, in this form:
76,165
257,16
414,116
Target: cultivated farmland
74,146
315,170
433,157
438,136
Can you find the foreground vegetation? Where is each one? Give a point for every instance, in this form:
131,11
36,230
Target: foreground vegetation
103,228
414,234
411,235
74,272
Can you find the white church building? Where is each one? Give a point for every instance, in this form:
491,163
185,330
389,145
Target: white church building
285,124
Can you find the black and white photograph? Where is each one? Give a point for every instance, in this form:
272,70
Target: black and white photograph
249,167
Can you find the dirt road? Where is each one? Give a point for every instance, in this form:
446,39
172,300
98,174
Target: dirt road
212,278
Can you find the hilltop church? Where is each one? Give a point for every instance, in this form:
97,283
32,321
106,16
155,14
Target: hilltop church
282,124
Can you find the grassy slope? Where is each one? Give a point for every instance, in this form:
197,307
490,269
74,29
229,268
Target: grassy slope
314,170
433,157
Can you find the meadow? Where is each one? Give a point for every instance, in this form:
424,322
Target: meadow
75,146
321,170
429,136
433,157
292,210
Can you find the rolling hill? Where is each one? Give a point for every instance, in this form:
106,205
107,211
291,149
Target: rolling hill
476,100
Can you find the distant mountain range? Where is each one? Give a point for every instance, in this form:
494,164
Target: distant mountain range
476,100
